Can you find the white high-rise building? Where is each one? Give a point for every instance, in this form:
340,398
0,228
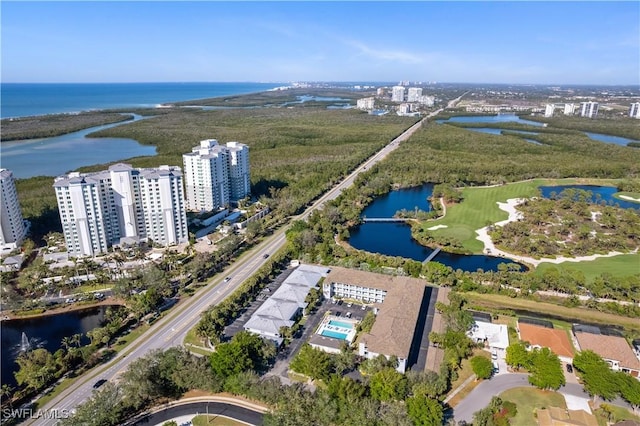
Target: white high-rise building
12,229
365,103
239,170
413,94
569,109
397,94
548,110
634,110
427,100
589,109
206,176
215,175
121,205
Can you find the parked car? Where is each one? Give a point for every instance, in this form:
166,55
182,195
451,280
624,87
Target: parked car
494,355
569,368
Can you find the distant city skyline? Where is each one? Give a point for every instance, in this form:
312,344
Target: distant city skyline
475,42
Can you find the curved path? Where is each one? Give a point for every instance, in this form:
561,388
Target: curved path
223,407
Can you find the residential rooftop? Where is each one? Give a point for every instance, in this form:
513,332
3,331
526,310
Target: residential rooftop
392,333
555,339
613,348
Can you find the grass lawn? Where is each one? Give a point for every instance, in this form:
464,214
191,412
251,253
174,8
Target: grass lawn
617,414
464,373
634,195
622,266
528,400
496,301
214,420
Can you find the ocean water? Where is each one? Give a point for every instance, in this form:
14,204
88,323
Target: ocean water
28,99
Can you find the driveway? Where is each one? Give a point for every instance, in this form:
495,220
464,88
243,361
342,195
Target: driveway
482,394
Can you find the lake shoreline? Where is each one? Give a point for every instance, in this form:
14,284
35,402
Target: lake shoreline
11,315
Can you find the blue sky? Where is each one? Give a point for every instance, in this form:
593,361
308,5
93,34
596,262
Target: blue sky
493,42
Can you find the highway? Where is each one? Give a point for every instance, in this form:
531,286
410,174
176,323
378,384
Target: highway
171,330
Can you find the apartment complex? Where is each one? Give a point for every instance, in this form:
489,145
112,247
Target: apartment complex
569,109
397,94
366,104
634,110
121,205
286,304
589,109
12,227
414,94
399,302
216,175
549,109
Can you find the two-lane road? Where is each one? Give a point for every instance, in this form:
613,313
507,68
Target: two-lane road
171,330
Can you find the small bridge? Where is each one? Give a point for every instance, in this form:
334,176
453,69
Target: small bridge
432,255
385,219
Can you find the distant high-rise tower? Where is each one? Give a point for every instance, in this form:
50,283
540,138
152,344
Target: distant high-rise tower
569,109
548,111
589,109
397,94
413,94
215,175
12,229
121,205
366,104
634,110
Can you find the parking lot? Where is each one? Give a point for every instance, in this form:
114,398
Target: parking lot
238,325
348,310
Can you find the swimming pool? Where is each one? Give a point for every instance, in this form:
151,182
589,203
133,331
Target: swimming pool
341,324
334,334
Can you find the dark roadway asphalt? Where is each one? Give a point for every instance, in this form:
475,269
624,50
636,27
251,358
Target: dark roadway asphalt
227,410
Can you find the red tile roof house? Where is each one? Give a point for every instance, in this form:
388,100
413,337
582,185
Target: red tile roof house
542,337
613,349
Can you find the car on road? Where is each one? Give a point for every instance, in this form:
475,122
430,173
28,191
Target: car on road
226,280
99,383
264,256
569,368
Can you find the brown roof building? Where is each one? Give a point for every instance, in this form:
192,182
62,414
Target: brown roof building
554,416
555,339
398,301
613,349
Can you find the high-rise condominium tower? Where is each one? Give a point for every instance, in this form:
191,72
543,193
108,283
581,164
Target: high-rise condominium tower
12,229
119,205
215,175
589,109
